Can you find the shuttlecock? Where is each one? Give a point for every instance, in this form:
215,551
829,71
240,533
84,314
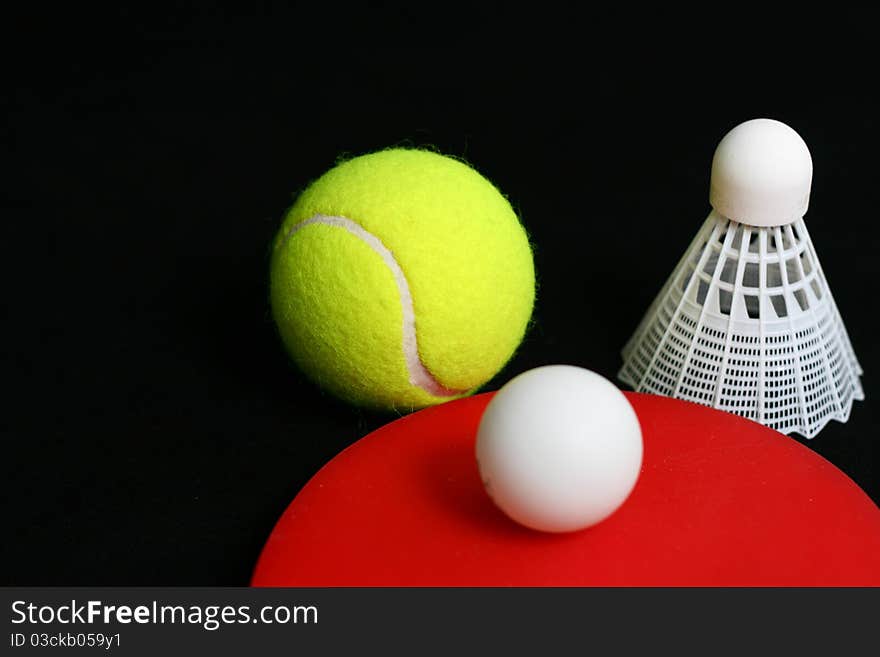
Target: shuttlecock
746,322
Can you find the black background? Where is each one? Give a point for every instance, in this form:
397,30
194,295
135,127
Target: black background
153,428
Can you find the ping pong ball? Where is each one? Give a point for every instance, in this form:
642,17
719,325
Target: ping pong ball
559,448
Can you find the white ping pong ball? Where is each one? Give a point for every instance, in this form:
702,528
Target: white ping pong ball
559,448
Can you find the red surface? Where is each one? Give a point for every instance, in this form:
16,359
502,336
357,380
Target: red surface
720,501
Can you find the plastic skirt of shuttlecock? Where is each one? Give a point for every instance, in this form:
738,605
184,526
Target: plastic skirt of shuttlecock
747,324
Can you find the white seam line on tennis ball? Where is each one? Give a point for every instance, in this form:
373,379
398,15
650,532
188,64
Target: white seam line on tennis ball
418,374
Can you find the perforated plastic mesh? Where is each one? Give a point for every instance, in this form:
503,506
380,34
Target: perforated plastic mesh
746,323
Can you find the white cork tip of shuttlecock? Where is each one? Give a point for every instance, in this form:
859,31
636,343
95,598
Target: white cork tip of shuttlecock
761,174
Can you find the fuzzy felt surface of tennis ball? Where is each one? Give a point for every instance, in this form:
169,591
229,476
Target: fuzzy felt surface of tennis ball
387,225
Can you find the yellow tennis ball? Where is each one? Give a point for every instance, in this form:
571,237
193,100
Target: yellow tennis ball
401,279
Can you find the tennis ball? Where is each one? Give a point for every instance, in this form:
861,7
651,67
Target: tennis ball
401,279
